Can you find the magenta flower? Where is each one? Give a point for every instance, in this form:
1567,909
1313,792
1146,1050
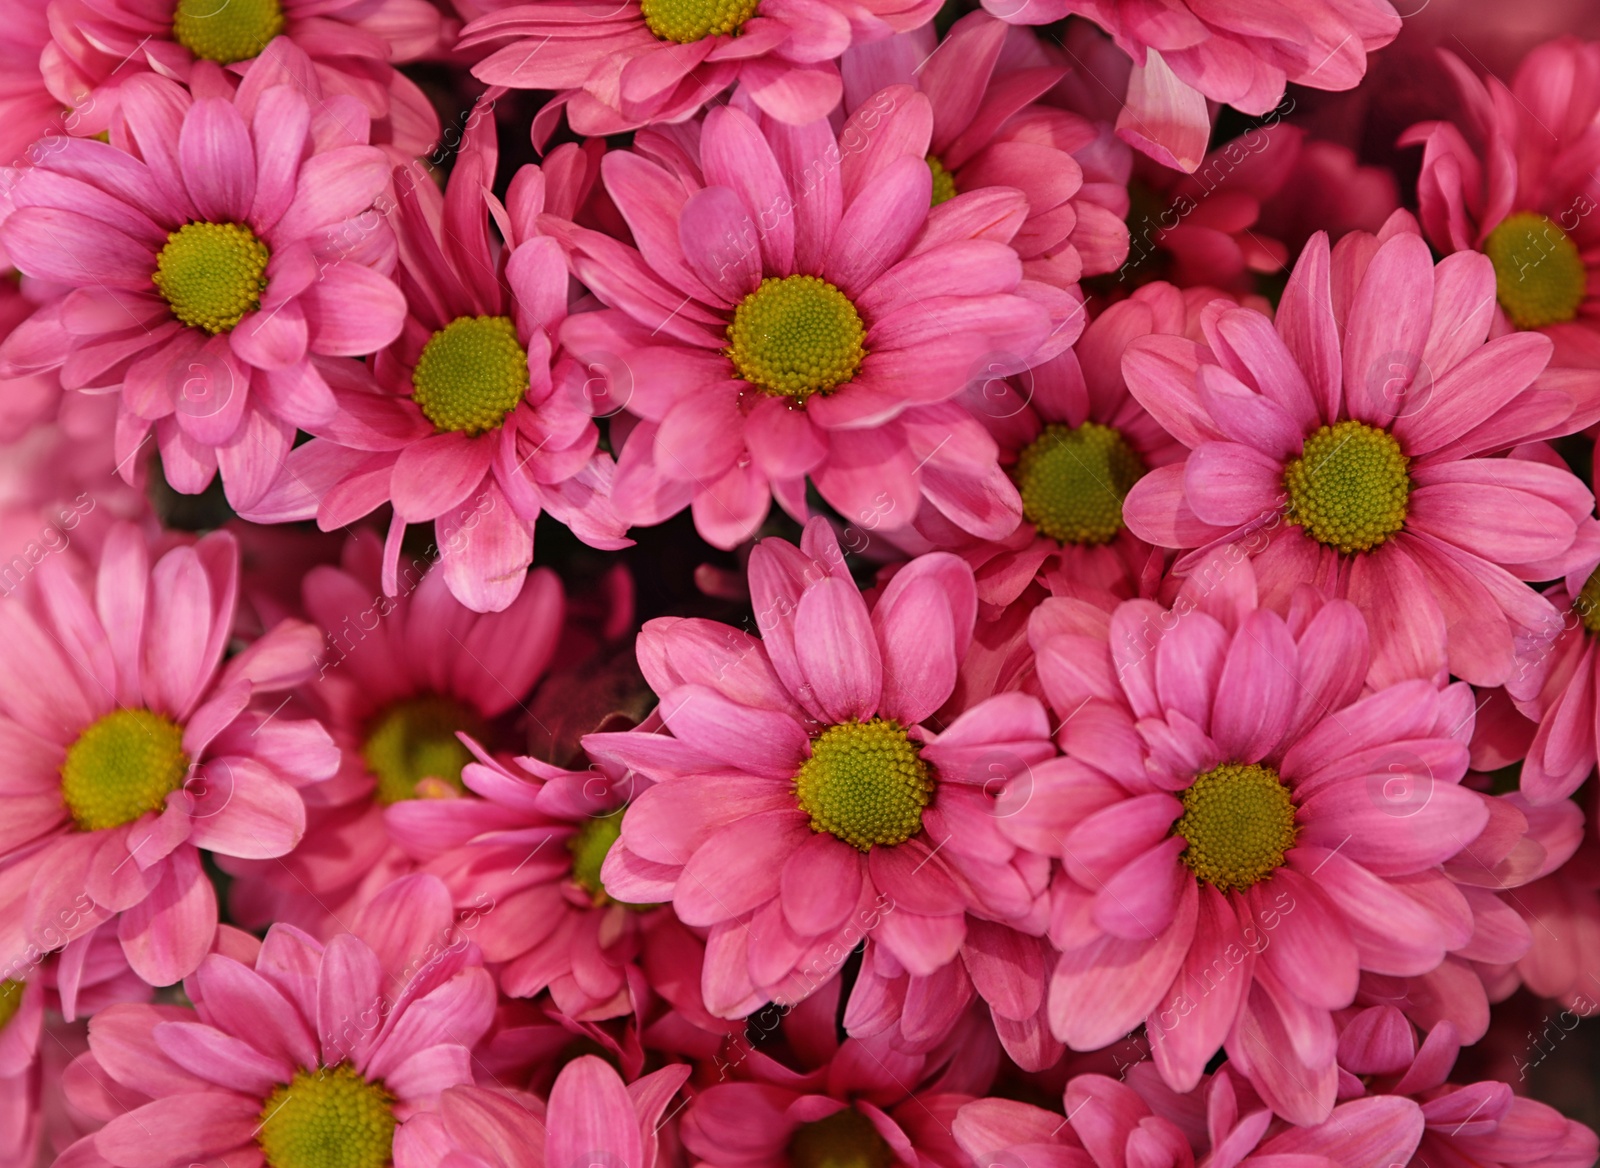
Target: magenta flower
1512,178
464,425
1482,1124
1110,1123
592,1117
133,747
983,81
538,835
797,307
206,261
1224,800
295,1052
1187,51
400,678
807,794
1347,443
641,62
351,47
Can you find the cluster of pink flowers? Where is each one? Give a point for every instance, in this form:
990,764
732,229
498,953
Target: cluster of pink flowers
790,584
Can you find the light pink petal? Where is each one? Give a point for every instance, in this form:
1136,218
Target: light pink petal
166,935
837,650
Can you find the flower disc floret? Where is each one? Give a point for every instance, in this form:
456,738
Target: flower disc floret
1238,820
122,766
845,1139
330,1117
865,783
944,183
1539,276
1073,481
795,336
685,21
212,274
590,845
10,1000
226,31
1350,486
472,373
1587,605
416,739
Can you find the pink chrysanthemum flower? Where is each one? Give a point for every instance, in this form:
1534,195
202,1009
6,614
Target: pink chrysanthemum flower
592,1117
132,746
984,81
1109,1124
351,48
808,793
400,678
466,428
1186,51
207,260
1515,181
1481,1124
640,62
1346,442
1231,858
538,835
296,1053
797,307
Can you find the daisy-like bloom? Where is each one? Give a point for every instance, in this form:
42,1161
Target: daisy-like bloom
797,307
296,1054
808,794
132,746
1186,51
352,46
984,81
1109,1124
1230,859
538,836
400,678
466,428
1514,181
1481,1124
591,1117
207,259
1347,442
616,67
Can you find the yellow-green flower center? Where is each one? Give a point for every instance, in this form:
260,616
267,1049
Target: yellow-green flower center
1350,486
1238,820
472,373
1587,605
212,274
684,21
122,766
846,1139
415,740
226,31
944,183
1539,276
865,783
796,336
1073,481
330,1117
589,847
10,1000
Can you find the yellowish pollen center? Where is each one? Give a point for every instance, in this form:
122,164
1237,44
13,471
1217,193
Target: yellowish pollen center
212,274
589,847
1539,276
10,1000
1587,606
684,21
415,740
795,336
226,31
944,183
865,783
122,766
330,1117
1349,487
1073,481
472,373
846,1139
1238,821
